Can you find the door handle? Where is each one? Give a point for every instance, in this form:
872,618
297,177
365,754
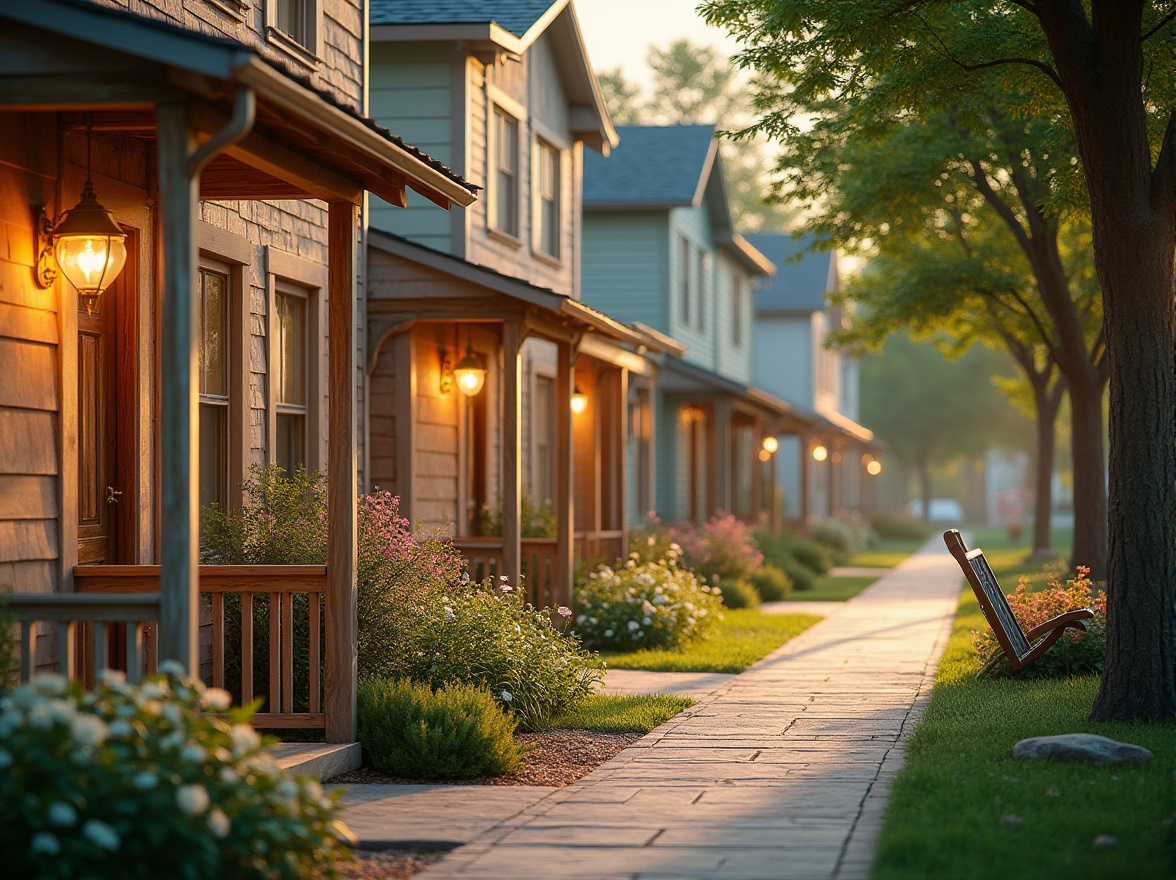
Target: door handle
112,495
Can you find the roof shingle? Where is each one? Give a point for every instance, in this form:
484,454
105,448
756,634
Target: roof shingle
654,165
796,286
514,16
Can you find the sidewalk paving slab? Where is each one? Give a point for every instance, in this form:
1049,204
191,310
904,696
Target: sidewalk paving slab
783,770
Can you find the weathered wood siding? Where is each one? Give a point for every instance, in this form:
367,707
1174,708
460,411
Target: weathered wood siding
412,95
626,265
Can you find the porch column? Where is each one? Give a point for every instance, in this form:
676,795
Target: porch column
179,516
620,475
757,469
806,453
775,514
340,654
722,468
512,405
564,510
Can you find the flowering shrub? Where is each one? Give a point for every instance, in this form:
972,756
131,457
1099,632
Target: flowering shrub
1075,653
481,635
771,583
124,780
652,541
458,731
720,550
645,604
842,537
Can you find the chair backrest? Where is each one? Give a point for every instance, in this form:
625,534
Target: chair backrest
992,599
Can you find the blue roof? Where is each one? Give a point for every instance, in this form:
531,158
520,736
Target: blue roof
514,16
654,165
796,286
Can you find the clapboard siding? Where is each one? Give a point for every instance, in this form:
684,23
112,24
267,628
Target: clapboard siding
626,266
784,357
692,224
411,93
731,360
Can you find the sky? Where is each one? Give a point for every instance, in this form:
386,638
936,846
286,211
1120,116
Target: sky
619,32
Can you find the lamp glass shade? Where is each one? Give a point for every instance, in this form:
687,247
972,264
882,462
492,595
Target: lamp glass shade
820,453
770,444
874,467
579,401
469,374
90,247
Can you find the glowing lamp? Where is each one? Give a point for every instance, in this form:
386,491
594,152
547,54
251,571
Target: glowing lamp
820,453
579,401
770,444
874,467
469,374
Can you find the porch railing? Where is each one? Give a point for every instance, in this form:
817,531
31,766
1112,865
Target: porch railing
597,547
290,612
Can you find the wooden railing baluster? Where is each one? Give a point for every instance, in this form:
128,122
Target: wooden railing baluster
287,600
315,651
275,654
246,648
218,640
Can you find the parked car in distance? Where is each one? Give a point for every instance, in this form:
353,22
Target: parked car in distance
942,510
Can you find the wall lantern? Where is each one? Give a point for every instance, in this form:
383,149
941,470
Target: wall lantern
446,375
820,453
770,444
873,467
579,401
469,373
88,245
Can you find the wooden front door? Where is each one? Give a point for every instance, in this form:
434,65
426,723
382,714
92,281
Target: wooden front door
105,408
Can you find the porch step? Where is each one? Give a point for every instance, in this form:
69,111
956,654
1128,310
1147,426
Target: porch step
320,760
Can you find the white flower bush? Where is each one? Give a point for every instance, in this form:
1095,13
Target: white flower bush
645,604
138,782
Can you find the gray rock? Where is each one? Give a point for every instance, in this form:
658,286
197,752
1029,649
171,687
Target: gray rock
1082,747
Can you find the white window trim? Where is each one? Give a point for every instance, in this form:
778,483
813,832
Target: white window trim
492,226
539,145
309,54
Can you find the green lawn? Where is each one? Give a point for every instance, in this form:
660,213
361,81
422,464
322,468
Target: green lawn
886,554
740,639
832,588
612,713
963,807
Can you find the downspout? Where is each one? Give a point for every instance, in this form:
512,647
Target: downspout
238,127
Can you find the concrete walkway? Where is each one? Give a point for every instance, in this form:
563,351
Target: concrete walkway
781,772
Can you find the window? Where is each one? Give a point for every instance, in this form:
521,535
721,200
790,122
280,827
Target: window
737,295
214,388
506,178
702,286
685,265
290,379
549,175
543,418
293,26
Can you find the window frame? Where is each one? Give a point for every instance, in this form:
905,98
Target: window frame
685,282
305,47
738,295
207,401
539,468
498,117
544,201
284,408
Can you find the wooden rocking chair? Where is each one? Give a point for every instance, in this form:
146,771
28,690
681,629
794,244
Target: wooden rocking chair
1020,648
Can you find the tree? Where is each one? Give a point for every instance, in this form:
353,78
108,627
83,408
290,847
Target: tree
621,97
1103,82
916,401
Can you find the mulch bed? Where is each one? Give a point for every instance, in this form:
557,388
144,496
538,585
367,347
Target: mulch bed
559,758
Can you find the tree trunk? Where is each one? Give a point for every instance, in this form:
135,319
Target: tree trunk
1133,213
1090,491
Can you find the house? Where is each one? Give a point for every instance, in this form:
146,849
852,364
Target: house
228,142
505,94
827,464
660,251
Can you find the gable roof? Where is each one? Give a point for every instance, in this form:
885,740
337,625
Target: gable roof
516,17
656,166
490,29
802,277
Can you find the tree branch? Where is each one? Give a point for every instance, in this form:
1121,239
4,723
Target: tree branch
944,51
980,179
1163,186
1160,26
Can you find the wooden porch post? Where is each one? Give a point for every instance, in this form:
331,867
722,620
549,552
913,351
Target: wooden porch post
775,514
722,469
805,487
512,404
340,653
179,540
620,475
564,511
757,469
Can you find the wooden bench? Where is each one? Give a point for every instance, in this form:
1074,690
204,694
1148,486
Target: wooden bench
1019,647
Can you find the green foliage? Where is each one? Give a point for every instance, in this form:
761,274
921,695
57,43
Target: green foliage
741,638
739,594
800,559
535,520
630,713
9,646
458,731
645,604
1075,653
119,781
771,583
837,588
722,549
842,537
898,528
478,635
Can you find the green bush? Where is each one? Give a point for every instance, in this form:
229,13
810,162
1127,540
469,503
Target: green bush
803,578
408,729
898,528
813,556
844,538
739,594
1075,653
780,549
125,779
475,634
652,604
771,583
535,520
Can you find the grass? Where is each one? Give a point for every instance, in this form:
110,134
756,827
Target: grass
955,808
612,713
833,588
742,637
887,554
